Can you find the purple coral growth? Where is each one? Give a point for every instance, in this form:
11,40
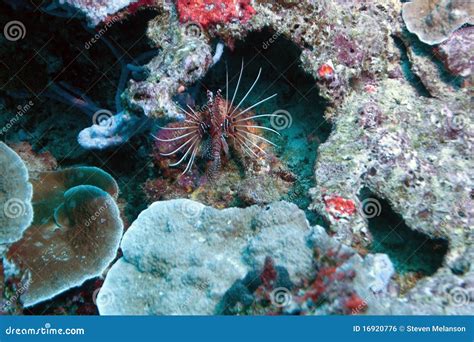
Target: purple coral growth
348,51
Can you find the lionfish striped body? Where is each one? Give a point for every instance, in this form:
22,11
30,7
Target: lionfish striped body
214,130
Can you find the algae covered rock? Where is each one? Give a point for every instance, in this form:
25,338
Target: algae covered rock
457,52
416,157
180,257
16,211
97,10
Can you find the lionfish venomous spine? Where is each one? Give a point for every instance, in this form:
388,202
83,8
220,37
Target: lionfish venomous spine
216,128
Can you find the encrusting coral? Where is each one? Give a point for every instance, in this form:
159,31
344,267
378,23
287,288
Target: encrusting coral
16,211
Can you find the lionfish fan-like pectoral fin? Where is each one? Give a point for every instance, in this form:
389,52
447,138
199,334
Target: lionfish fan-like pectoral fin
191,160
245,147
176,138
252,143
177,128
192,116
260,127
185,155
258,137
179,148
256,116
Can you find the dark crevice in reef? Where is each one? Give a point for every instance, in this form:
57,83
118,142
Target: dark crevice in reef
297,94
421,49
409,250
60,49
408,73
407,41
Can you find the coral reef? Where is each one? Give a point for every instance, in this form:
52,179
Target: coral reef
342,282
186,50
75,233
212,12
95,11
362,204
193,254
35,162
396,164
456,52
184,59
16,211
434,21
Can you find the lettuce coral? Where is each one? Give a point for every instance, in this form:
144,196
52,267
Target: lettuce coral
435,20
75,234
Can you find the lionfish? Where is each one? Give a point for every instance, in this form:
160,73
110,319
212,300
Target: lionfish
215,129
